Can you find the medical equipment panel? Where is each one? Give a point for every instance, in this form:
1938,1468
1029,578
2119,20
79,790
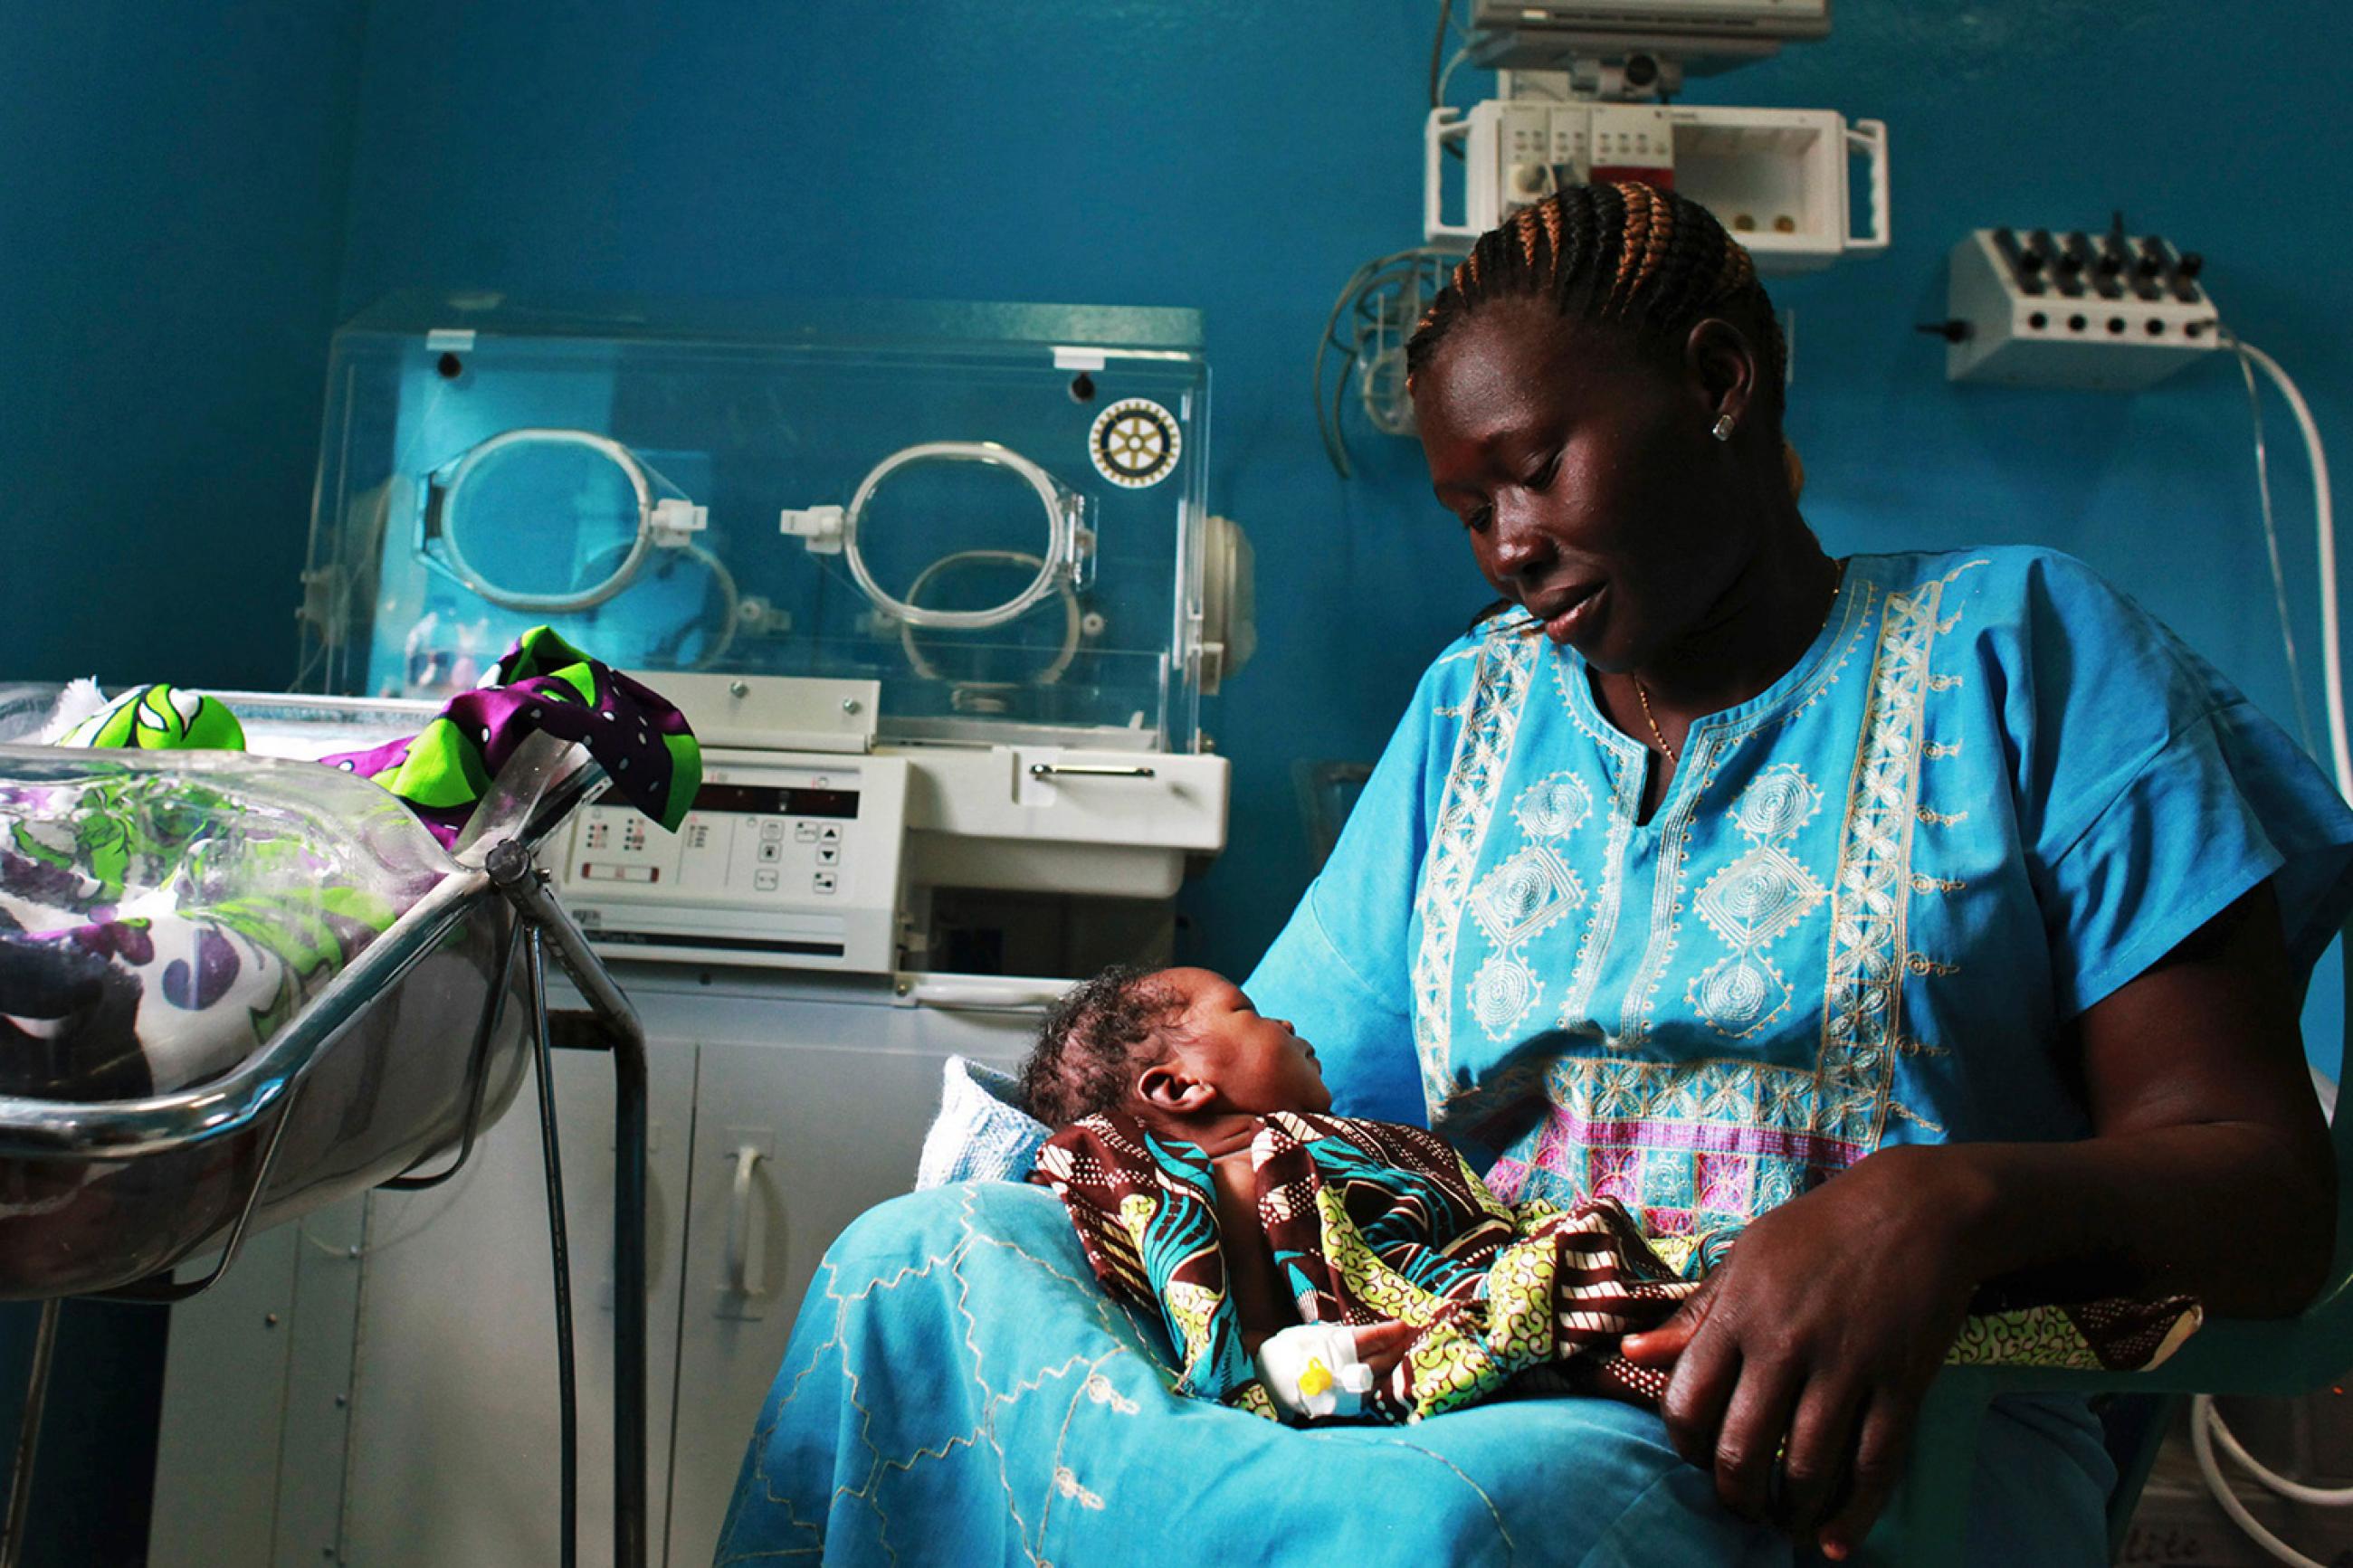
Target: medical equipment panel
786,859
2031,307
995,514
1777,178
1694,27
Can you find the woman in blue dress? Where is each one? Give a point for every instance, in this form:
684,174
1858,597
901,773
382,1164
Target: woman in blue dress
1707,868
1924,919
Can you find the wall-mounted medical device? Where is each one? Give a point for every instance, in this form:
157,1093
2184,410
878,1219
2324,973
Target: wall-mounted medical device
951,564
1584,94
1776,177
2037,307
1638,46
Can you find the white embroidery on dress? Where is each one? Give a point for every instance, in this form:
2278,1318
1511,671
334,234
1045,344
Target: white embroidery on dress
1754,901
1502,993
1553,807
1483,754
1863,994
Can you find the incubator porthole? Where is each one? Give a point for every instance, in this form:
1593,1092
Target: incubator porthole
549,521
539,520
927,466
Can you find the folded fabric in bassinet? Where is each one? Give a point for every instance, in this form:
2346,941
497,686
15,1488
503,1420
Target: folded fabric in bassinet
157,927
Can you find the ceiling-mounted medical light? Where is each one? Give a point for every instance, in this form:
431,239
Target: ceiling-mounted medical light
835,531
665,519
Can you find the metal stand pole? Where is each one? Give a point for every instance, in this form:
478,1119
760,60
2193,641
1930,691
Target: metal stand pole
512,870
567,1382
28,1434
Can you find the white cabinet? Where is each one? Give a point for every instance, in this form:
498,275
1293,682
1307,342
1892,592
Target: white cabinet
405,1397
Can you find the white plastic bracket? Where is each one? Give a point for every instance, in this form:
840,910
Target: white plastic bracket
817,527
1445,124
1868,138
674,522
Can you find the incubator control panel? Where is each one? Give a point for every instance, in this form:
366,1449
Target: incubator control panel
784,860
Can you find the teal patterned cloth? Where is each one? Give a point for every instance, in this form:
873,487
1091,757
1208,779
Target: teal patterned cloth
959,1392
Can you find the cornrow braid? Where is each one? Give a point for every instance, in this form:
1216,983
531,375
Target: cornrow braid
1655,260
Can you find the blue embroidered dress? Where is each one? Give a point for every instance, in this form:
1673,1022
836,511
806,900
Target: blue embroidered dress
1875,895
1866,912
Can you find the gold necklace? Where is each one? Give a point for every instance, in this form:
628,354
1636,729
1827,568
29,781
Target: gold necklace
1838,576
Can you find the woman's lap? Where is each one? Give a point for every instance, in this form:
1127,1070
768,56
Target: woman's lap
959,1389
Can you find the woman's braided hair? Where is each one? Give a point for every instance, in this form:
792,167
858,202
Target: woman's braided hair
1628,253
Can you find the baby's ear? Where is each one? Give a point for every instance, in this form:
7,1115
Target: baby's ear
1170,1086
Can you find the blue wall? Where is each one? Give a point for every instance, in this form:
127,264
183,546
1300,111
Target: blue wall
171,232
170,236
1245,157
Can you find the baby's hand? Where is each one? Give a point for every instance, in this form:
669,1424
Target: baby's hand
1382,1347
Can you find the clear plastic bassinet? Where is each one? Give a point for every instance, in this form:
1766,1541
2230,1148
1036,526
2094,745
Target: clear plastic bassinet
346,1077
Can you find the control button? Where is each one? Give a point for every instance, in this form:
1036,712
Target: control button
805,832
765,880
829,833
825,882
772,850
829,854
772,830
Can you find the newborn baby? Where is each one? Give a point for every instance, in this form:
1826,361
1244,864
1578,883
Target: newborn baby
1306,1265
1310,1267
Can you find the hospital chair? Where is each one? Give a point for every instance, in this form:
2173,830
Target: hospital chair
1923,1525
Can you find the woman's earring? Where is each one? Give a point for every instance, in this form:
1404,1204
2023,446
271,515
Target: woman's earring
1722,429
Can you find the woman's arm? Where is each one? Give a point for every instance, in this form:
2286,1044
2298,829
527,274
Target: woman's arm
2209,1174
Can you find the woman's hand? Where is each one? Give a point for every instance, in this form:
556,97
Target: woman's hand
1813,1344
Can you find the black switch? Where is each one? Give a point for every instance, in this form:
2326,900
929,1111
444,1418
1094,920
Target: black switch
2185,275
2025,266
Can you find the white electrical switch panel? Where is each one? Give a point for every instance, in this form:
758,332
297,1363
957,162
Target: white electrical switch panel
2044,308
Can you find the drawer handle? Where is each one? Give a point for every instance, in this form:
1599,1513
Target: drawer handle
1086,771
739,1224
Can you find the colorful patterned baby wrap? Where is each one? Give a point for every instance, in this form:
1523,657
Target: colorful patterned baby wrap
1371,1222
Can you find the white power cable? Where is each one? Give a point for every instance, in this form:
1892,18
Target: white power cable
2332,664
2205,1425
2271,550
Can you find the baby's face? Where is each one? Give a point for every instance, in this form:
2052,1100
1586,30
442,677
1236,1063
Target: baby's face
1258,1064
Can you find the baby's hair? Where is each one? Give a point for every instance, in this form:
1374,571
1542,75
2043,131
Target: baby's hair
1631,253
1094,1042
